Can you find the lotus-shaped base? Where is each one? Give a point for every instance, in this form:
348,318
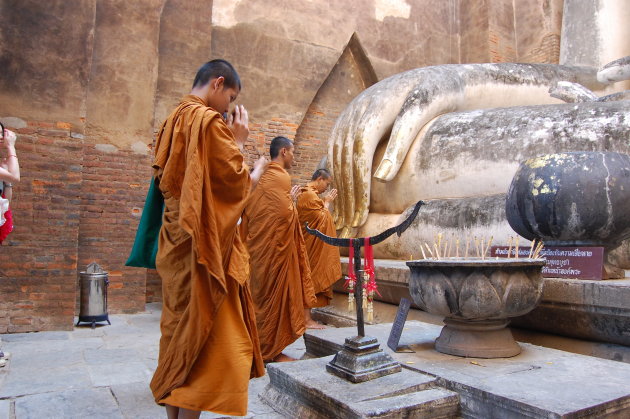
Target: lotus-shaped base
476,297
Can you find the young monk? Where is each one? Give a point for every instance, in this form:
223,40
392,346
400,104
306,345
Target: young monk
323,258
209,346
280,276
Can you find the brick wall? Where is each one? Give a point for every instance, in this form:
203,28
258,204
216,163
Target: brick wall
261,134
312,140
38,260
547,52
76,203
114,187
310,137
154,286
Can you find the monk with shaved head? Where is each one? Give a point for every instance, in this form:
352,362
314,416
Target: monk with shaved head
209,345
323,258
280,275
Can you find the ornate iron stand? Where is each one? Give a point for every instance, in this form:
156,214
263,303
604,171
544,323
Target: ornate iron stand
361,359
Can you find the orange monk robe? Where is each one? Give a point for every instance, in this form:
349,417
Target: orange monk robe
280,276
324,259
209,346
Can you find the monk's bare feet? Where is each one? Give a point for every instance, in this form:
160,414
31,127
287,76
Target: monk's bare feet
283,358
312,324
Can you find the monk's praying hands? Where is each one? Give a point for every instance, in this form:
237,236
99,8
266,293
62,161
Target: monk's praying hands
331,196
295,192
238,123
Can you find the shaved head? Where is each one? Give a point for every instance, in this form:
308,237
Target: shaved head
323,173
217,68
278,144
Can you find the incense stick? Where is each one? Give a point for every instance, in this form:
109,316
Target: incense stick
488,246
538,249
429,249
467,242
531,249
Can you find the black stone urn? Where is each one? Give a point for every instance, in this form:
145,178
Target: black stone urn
572,199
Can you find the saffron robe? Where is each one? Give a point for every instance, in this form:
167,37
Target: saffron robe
209,345
324,259
280,276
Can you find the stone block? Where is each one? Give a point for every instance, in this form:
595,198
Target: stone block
539,382
119,373
5,409
78,403
28,382
136,401
103,356
304,389
593,310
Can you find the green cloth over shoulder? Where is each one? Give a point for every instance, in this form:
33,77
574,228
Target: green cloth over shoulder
145,245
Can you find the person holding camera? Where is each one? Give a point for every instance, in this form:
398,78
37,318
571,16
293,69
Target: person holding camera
10,168
9,174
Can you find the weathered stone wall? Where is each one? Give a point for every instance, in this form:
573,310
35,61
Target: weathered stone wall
526,31
287,58
538,27
119,118
45,58
605,40
86,83
352,74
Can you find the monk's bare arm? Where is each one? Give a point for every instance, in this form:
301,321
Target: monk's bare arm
259,168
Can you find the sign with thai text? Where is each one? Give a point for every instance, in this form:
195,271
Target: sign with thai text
563,262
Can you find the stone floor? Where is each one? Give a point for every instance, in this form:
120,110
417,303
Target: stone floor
94,373
105,372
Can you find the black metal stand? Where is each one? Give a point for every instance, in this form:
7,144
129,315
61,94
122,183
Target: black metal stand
361,358
94,320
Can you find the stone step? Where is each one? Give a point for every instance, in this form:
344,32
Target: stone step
539,382
306,390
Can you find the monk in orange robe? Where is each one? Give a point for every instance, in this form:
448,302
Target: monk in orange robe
209,346
280,276
324,259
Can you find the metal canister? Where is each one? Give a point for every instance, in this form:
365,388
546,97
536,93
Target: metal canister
94,282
